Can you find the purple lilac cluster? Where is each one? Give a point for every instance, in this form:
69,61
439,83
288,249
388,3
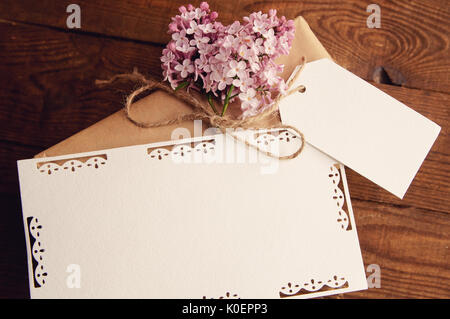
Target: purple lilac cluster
228,62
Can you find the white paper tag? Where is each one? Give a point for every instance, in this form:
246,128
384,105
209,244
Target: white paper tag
359,125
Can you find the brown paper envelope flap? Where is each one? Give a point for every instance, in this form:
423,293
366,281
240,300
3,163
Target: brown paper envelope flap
305,44
116,130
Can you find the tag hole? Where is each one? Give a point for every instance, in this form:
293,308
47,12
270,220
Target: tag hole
302,89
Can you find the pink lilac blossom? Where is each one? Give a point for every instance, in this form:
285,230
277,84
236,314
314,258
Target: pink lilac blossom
228,62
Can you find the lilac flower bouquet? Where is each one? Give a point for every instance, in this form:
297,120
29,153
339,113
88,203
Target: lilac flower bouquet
228,62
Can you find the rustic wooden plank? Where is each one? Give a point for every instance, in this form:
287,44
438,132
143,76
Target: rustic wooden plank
412,45
50,95
13,264
410,245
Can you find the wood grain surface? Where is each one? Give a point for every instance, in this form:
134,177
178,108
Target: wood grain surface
47,94
412,45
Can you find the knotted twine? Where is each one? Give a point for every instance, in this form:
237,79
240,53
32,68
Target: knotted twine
202,111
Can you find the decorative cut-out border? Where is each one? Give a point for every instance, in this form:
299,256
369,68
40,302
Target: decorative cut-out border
72,164
272,136
183,150
343,218
228,295
37,251
266,141
273,141
313,286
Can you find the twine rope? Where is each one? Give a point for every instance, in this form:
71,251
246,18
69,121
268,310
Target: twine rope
202,111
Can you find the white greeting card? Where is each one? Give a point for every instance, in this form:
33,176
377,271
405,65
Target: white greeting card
196,218
359,125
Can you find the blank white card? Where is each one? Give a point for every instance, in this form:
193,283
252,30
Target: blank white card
359,125
174,220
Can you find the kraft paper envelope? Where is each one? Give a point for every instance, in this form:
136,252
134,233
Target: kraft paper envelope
360,125
197,218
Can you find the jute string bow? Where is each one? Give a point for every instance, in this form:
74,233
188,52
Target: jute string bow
202,111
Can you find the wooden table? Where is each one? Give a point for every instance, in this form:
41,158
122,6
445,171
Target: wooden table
47,93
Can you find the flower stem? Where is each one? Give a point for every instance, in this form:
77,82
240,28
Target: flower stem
227,100
182,85
211,103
